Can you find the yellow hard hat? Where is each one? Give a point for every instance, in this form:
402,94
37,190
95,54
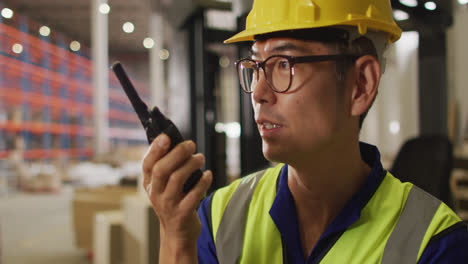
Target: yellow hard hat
269,16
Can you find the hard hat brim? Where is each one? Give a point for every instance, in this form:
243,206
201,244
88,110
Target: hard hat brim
249,34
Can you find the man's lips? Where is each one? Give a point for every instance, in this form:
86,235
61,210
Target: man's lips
268,125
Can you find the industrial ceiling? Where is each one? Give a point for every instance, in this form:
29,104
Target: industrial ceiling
73,17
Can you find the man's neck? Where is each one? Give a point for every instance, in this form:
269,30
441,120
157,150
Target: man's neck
323,187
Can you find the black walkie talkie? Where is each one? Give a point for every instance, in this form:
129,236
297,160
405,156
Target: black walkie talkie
153,121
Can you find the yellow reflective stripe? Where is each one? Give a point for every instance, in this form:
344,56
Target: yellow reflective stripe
262,240
443,219
406,238
219,202
230,235
265,188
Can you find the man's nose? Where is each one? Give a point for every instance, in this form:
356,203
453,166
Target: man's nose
262,93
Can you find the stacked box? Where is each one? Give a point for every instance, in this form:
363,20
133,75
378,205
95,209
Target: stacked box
88,202
140,231
108,237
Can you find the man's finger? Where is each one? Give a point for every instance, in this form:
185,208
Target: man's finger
193,198
156,151
169,163
180,176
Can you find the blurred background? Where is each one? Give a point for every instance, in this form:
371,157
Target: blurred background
71,144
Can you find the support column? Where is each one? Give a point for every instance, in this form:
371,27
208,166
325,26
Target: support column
241,7
157,83
198,79
100,58
433,83
251,153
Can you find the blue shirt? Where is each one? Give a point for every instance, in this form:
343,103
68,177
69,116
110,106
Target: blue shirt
450,246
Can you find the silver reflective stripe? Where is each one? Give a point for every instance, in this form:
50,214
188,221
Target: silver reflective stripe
406,238
230,235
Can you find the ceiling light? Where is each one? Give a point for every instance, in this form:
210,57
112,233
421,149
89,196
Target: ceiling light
394,127
128,27
104,8
430,6
164,54
232,130
148,43
224,61
400,15
463,2
44,31
75,45
219,127
410,3
7,13
17,48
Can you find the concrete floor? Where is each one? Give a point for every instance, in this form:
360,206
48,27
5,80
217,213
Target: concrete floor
37,229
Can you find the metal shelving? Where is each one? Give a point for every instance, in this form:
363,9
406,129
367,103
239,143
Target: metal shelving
46,96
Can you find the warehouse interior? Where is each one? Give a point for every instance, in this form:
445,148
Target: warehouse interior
71,144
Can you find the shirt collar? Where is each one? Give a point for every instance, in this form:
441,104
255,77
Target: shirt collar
283,210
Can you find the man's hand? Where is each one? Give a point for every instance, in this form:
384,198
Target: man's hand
164,178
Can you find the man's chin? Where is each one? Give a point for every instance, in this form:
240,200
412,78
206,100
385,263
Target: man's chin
273,156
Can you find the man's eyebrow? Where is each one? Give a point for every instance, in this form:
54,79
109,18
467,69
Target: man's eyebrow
281,48
288,47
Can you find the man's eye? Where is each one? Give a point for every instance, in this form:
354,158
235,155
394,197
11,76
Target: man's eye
284,64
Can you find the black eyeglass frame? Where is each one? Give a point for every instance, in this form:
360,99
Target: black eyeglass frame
292,60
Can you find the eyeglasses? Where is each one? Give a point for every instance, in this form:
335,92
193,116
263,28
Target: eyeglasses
278,70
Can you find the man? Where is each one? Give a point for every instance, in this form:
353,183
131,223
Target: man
313,75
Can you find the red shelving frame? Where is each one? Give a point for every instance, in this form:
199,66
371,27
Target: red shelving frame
67,78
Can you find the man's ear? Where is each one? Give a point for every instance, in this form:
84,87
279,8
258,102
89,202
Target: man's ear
367,78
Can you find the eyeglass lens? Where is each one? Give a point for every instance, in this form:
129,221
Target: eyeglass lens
277,72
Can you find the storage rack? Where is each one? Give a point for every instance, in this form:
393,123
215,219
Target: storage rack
46,96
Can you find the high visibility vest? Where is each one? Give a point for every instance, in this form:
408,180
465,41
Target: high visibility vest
395,225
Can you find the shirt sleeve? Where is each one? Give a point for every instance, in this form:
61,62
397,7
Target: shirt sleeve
451,247
205,245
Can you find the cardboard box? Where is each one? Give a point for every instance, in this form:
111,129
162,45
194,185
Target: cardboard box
88,202
108,237
140,231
